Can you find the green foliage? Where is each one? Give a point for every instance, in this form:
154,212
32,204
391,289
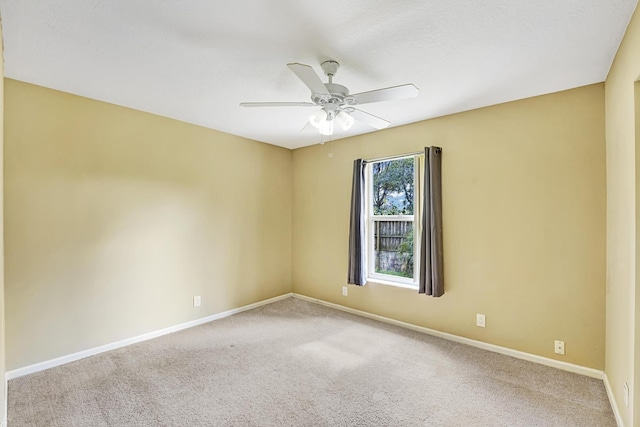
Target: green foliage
393,178
406,252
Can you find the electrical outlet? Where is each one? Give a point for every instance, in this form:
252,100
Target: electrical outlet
345,291
480,320
559,347
626,395
197,301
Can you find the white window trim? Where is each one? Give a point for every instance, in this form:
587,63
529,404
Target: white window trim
387,279
390,283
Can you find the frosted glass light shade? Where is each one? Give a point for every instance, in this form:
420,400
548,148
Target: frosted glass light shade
317,118
326,127
345,120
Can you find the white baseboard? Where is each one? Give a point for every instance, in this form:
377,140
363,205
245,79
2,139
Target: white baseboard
570,367
590,372
612,400
101,349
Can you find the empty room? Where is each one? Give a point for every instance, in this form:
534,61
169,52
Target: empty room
296,213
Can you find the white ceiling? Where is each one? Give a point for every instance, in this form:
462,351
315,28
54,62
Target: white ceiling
196,60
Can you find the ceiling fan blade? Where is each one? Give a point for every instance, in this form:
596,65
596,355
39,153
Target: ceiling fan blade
370,119
308,127
387,94
309,78
277,104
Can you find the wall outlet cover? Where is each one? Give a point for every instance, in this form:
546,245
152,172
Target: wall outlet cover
345,291
481,320
197,301
558,347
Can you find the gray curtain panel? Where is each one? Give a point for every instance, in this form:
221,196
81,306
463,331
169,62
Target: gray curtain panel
356,227
431,263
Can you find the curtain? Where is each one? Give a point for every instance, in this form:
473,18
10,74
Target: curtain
356,227
431,263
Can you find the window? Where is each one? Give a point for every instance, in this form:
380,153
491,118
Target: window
391,221
389,205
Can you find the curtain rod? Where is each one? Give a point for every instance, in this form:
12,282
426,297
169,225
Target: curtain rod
379,159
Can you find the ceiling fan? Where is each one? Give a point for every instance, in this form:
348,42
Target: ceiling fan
335,102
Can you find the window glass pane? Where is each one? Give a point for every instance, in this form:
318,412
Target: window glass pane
393,247
393,187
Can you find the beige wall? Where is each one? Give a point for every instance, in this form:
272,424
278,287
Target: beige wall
622,214
524,224
116,218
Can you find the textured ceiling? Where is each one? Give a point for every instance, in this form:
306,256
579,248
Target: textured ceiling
196,60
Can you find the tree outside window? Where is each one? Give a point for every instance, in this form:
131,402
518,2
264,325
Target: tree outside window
392,190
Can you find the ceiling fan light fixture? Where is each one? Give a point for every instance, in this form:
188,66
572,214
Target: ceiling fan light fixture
317,118
335,102
326,127
345,120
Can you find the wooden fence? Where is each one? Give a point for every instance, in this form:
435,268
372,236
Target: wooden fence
389,235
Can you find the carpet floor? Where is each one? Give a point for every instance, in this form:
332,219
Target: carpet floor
294,363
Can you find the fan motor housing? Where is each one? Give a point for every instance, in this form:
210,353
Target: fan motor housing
338,93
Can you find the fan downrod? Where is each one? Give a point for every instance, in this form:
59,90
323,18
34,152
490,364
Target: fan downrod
338,92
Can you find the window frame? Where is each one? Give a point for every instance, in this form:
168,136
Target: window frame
370,219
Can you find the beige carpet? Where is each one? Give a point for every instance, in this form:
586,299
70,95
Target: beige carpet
294,363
